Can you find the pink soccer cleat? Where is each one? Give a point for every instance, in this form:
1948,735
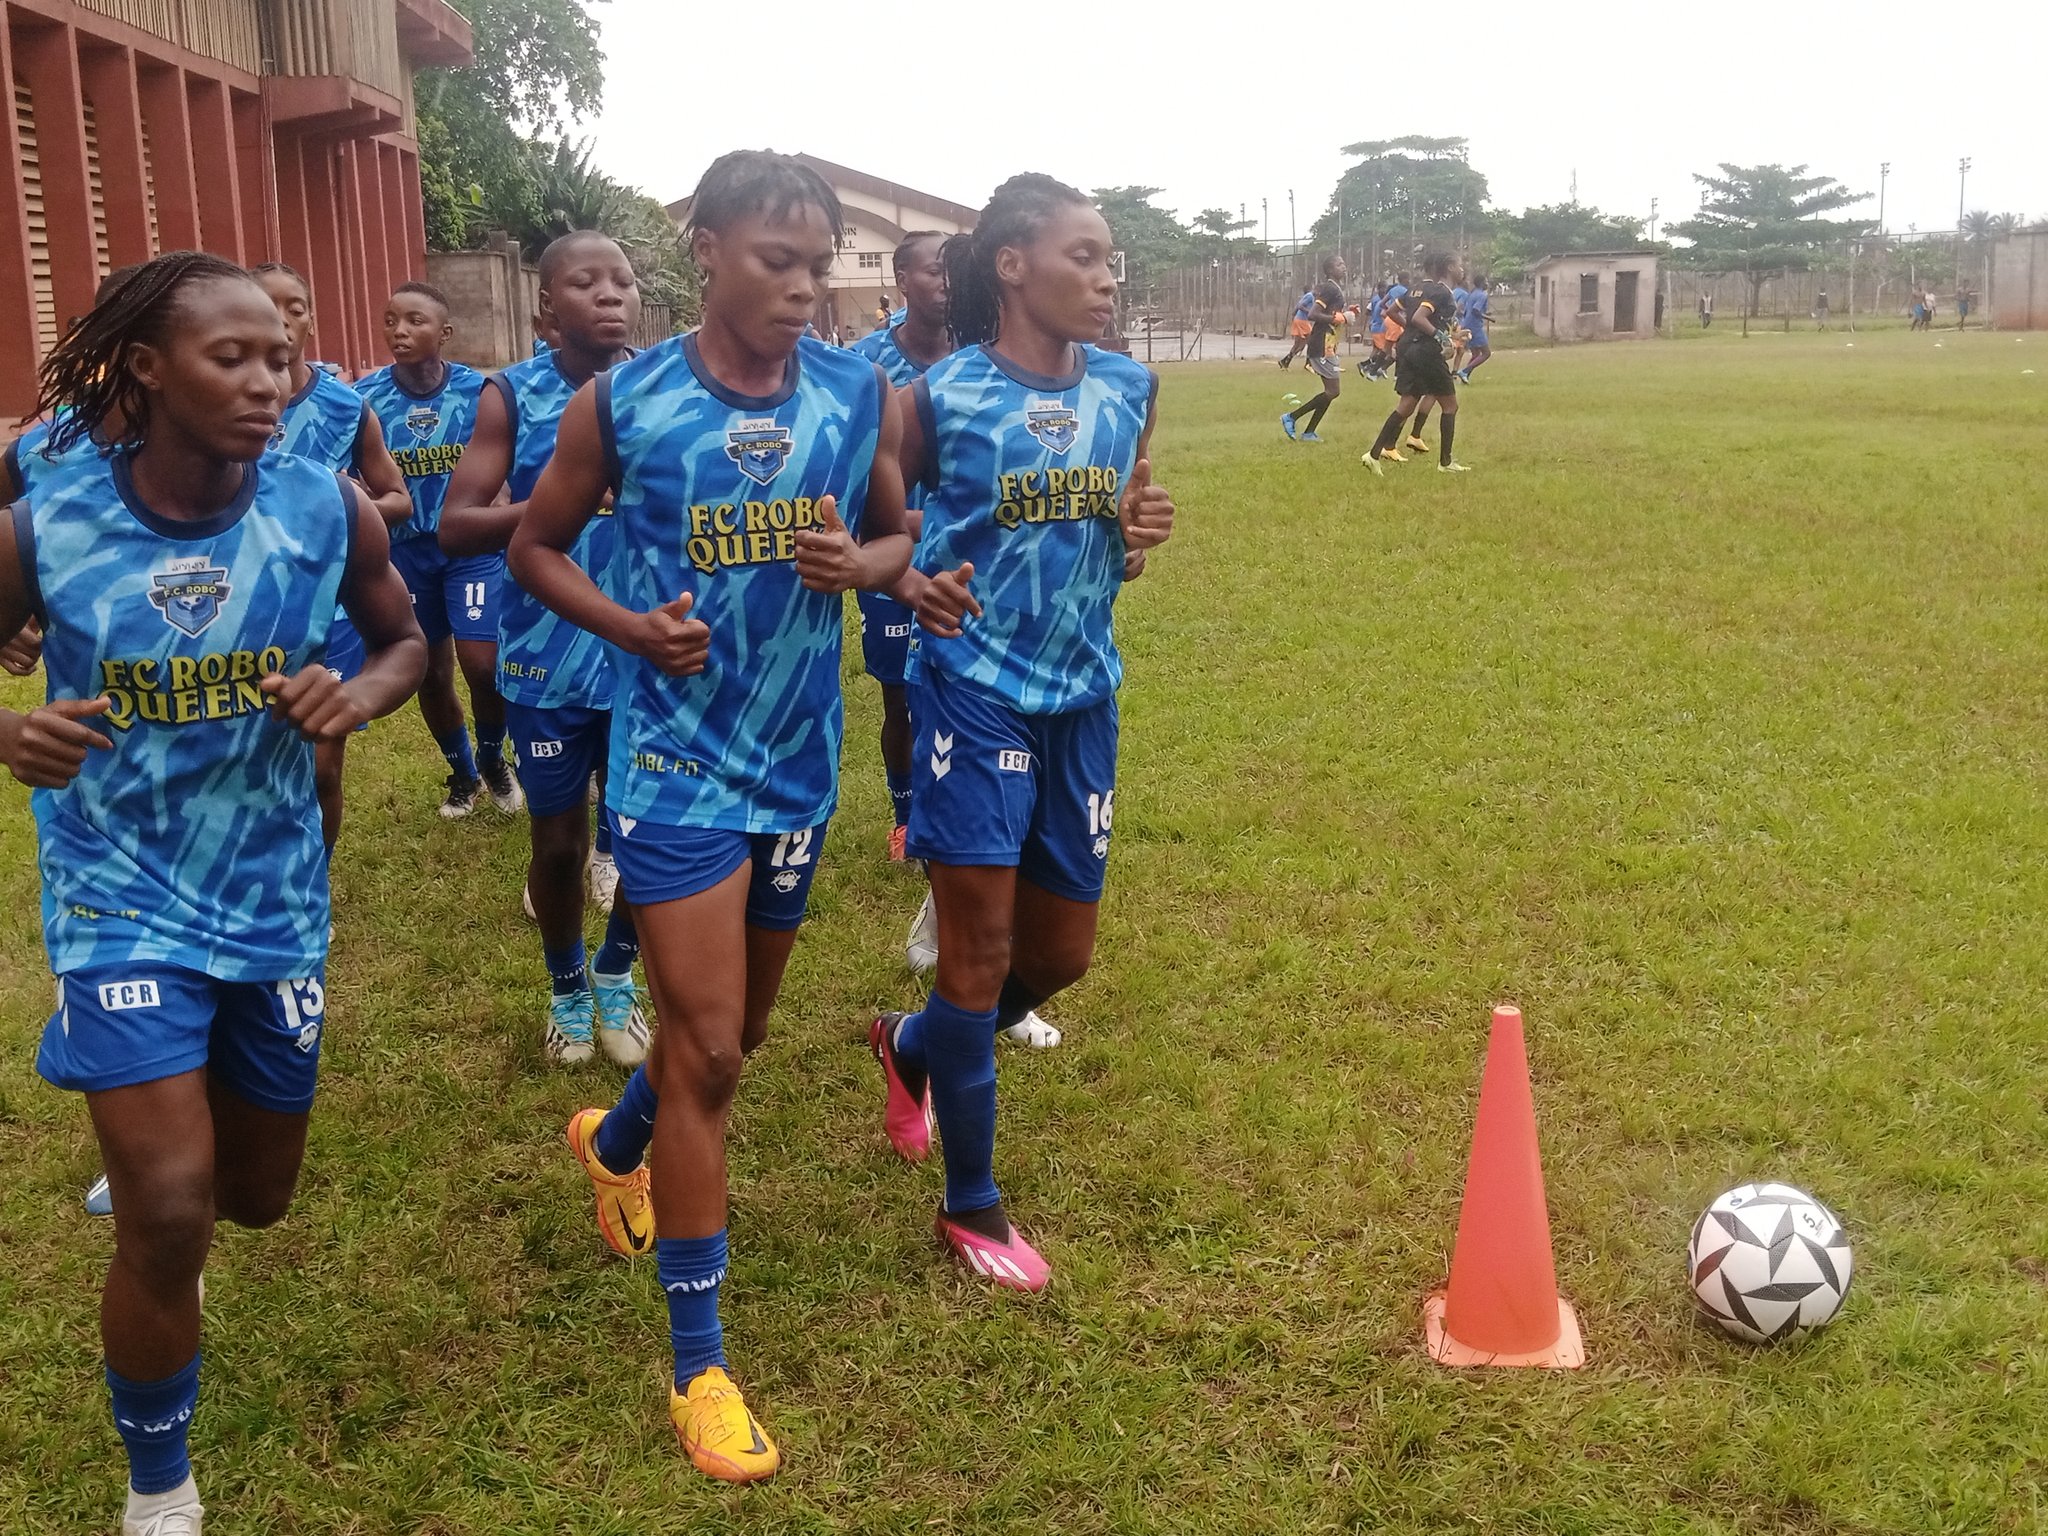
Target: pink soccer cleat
907,1118
1013,1263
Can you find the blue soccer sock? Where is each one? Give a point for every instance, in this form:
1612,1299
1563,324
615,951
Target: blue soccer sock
153,1419
603,845
490,742
623,1134
960,1058
691,1270
621,945
566,968
455,747
899,795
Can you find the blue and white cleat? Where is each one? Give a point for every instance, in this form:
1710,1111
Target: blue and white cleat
99,1200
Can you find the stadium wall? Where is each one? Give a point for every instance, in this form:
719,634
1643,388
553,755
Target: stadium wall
2019,292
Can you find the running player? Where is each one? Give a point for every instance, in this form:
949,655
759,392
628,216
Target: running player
1478,317
555,678
1298,328
326,421
744,460
1032,445
904,350
427,407
1422,369
1328,312
187,585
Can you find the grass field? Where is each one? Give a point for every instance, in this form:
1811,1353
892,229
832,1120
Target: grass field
1705,719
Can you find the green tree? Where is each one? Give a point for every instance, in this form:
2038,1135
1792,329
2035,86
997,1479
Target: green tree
538,65
1760,219
1412,191
1152,239
1520,239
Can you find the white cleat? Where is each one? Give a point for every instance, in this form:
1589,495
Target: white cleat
621,1021
1453,468
921,949
1033,1031
176,1513
604,883
526,905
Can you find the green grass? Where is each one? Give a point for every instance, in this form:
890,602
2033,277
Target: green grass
1705,720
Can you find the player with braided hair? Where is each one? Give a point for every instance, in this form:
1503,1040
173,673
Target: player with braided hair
187,584
1033,450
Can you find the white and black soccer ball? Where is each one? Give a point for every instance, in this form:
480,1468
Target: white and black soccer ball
1769,1263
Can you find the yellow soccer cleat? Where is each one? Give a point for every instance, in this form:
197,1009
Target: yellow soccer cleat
724,1440
625,1209
1417,443
1393,456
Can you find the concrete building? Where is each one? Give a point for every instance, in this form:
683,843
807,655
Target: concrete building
1596,296
260,130
2019,282
878,215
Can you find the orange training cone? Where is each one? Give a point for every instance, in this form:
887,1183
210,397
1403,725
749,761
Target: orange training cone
1502,1306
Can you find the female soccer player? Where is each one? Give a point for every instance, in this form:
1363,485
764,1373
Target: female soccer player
555,678
427,408
1032,446
1478,316
904,351
1422,370
1322,362
187,584
744,462
326,421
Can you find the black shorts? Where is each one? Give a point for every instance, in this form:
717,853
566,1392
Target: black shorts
1421,371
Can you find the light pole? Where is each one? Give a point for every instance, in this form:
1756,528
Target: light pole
1884,174
1293,238
1265,225
1653,221
1962,186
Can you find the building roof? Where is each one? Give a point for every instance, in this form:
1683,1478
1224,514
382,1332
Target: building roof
1641,250
873,186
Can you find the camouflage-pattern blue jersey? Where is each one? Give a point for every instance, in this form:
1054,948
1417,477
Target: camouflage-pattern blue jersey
30,464
196,840
323,422
544,661
426,435
883,348
712,488
1024,475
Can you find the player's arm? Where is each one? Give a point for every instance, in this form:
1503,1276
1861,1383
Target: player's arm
378,472
1424,317
45,748
1146,510
373,595
570,491
473,520
827,558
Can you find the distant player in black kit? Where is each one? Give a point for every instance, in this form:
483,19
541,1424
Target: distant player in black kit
1422,367
1328,311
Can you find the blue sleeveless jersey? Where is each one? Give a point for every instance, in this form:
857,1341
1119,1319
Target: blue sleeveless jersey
882,347
544,661
196,840
426,435
712,488
322,422
32,467
1024,479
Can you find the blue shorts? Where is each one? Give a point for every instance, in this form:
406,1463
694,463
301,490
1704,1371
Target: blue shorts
660,863
990,786
1477,341
456,597
345,649
140,1021
558,751
885,628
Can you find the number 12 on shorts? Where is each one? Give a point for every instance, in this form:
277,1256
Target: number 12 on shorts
792,850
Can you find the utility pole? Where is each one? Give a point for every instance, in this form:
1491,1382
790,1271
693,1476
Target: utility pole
1884,174
1293,236
1962,186
1653,221
1265,225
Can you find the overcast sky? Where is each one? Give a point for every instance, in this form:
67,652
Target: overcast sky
951,96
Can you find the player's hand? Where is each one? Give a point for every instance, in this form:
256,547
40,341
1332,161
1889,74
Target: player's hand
315,702
827,558
46,748
945,602
672,640
21,654
1146,510
1134,564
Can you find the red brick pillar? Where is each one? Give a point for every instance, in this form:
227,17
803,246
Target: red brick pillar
19,352
108,74
46,58
162,90
213,154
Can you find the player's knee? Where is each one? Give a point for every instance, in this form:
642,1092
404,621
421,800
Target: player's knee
440,667
164,1232
559,846
256,1206
706,1076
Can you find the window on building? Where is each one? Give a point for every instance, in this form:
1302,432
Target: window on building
1543,297
871,261
1589,293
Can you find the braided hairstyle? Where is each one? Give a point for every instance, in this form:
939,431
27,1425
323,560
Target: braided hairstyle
1014,215
85,382
748,181
906,248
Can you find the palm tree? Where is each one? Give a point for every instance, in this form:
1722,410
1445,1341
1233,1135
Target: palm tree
1976,227
2005,225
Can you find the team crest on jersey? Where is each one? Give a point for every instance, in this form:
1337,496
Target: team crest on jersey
760,448
1052,423
277,435
189,593
423,421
